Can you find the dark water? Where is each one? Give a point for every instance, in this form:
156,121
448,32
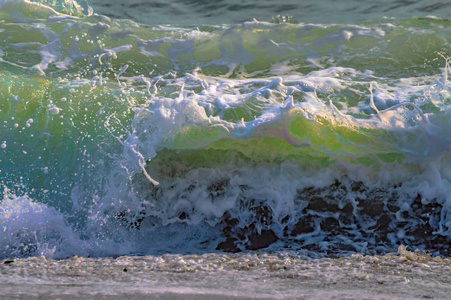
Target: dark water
196,12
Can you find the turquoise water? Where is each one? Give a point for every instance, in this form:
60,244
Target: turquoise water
118,137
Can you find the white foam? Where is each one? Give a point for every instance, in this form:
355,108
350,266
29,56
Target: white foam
31,228
182,106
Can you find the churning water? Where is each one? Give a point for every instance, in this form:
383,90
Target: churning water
210,130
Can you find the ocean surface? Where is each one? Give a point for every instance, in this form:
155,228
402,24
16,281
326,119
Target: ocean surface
321,128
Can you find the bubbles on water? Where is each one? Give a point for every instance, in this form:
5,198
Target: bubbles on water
260,102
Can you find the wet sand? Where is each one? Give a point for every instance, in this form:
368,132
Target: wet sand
258,275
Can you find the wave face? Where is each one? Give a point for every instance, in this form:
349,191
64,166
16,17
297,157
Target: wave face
123,138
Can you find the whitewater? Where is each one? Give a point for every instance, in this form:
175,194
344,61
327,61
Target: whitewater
172,144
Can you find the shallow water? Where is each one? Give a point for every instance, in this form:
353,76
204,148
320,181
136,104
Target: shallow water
263,275
121,138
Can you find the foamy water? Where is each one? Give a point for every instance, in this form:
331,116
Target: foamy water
281,275
119,138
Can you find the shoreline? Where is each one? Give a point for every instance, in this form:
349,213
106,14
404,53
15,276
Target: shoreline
257,275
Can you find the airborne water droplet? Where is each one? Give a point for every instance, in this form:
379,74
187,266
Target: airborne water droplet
55,110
